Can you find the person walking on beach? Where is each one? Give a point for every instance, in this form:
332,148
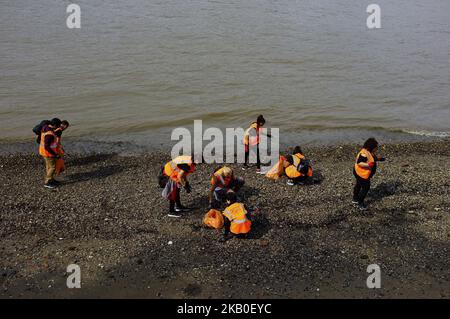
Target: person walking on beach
176,172
363,170
48,149
222,182
252,138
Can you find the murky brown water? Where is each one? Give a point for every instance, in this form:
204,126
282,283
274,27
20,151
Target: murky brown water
137,68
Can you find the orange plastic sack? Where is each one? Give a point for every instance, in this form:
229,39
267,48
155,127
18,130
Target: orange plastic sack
213,219
60,166
277,170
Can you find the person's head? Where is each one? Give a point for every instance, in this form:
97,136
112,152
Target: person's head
64,125
297,150
227,171
290,159
371,144
260,121
55,123
231,197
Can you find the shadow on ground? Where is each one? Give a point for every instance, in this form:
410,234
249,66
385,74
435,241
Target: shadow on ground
101,172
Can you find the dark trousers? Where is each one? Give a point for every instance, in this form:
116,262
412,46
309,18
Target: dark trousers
177,201
300,179
247,153
361,189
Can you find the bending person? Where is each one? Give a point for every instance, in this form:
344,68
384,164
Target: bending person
236,220
222,182
177,171
299,169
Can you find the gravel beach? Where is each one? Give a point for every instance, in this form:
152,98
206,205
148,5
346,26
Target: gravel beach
308,241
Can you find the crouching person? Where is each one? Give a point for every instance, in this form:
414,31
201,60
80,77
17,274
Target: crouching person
177,171
236,220
299,169
223,181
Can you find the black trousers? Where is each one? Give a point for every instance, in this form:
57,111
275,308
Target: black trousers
361,189
177,201
247,153
300,179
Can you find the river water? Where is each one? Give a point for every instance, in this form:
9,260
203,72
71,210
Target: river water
138,68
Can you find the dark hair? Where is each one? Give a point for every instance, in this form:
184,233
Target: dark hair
231,196
65,123
290,159
370,144
297,149
260,120
55,122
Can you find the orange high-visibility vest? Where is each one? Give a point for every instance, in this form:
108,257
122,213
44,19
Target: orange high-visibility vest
171,169
54,145
237,215
221,180
290,170
364,172
252,140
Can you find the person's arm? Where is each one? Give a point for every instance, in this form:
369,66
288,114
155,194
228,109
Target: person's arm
213,187
49,139
266,134
182,178
362,162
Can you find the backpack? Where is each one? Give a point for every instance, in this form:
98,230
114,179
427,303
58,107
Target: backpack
303,166
162,178
38,128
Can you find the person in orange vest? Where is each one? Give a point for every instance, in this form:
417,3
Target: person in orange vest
48,149
177,171
223,181
60,165
236,220
252,138
299,169
364,168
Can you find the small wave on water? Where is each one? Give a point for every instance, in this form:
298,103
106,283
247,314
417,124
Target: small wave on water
428,133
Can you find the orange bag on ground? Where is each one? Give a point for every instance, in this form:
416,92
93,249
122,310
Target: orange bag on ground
60,166
213,219
277,170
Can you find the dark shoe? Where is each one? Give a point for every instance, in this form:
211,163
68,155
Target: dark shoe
290,182
355,201
174,214
181,208
50,185
362,207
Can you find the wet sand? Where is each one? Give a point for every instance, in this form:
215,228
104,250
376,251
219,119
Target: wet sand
307,241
